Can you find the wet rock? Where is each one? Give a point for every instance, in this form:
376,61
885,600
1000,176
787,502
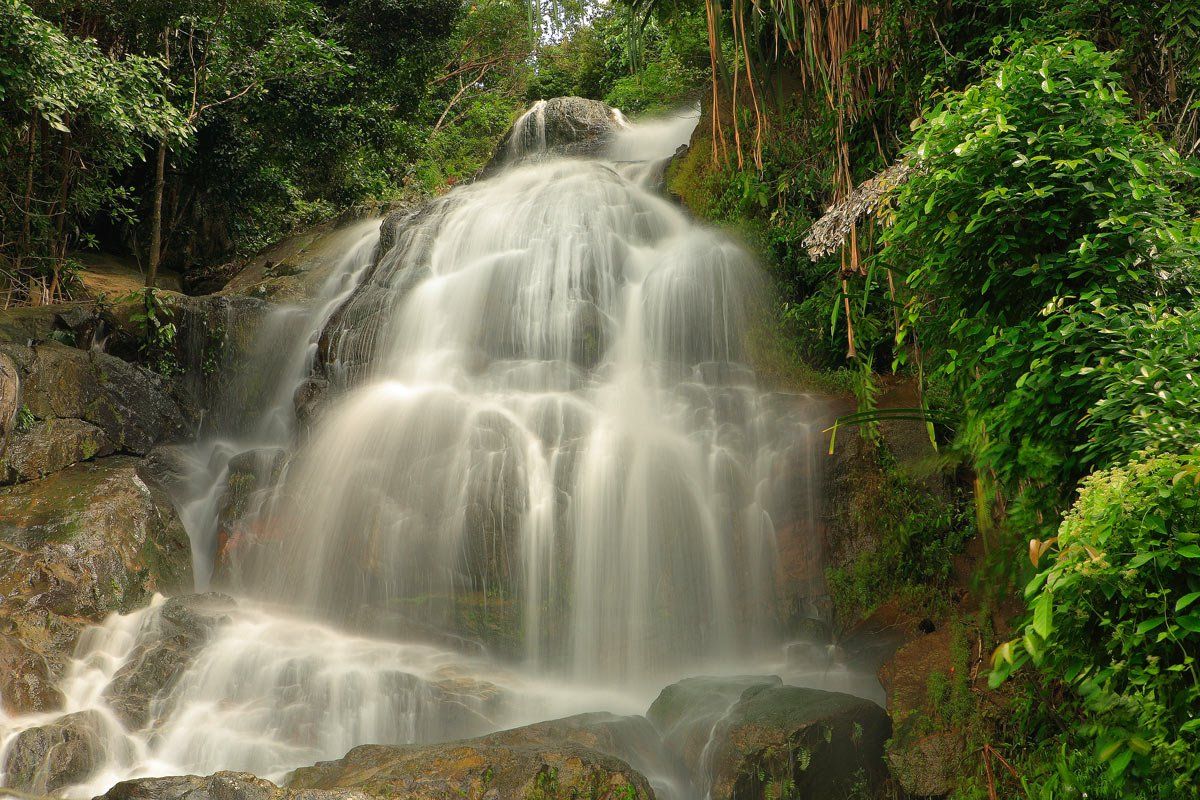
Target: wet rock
46,758
167,466
774,740
221,786
926,754
562,126
89,540
309,400
294,268
511,764
10,404
50,445
165,648
685,712
27,676
631,739
130,405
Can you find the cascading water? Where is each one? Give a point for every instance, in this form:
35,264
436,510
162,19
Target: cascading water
545,482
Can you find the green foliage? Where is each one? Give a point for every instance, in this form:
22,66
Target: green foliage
72,116
922,532
25,420
1152,378
157,332
1115,617
1039,205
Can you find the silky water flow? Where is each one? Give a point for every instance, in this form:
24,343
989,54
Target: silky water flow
545,482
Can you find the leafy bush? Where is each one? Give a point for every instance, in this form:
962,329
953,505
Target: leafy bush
1116,616
1153,377
922,530
1040,204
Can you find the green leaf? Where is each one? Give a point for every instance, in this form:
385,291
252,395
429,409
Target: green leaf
1187,600
1043,615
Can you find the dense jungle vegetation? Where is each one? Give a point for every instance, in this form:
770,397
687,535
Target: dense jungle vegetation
1033,271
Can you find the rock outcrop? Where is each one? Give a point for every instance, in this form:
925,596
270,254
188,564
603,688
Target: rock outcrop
773,740
562,126
131,406
86,541
540,762
49,757
221,786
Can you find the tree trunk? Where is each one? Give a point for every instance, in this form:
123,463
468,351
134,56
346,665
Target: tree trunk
160,167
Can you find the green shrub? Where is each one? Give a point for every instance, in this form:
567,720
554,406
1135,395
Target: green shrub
1116,617
1152,399
1041,204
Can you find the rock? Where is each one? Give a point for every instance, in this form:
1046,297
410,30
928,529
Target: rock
132,406
631,739
50,445
522,763
10,400
562,126
27,677
169,467
27,324
685,712
164,649
46,758
773,740
221,786
89,540
308,401
294,268
927,752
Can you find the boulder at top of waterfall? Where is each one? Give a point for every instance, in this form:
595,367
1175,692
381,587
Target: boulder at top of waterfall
512,764
221,786
89,540
46,758
777,740
164,649
561,126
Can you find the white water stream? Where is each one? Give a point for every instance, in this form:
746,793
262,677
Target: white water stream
550,486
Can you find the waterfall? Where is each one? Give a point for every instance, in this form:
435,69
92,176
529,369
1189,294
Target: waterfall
544,480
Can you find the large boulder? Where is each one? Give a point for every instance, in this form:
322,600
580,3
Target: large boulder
774,740
49,445
631,739
132,406
84,542
562,126
221,786
530,764
165,648
49,757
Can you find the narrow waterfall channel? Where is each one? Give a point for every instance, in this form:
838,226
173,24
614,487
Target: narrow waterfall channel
541,480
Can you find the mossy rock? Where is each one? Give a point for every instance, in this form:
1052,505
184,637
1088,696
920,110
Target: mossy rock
534,763
775,740
76,546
